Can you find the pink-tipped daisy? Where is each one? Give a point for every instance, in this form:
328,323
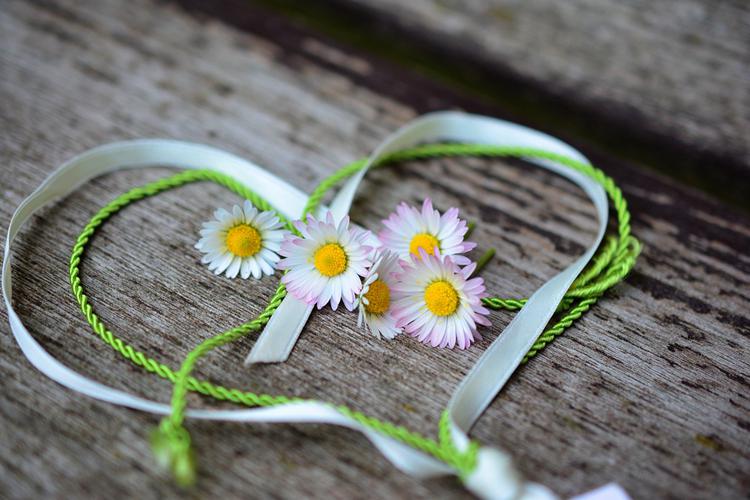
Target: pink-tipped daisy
375,306
325,265
241,242
368,238
437,302
408,230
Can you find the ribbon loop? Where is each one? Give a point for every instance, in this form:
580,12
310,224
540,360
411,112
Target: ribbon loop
281,333
493,477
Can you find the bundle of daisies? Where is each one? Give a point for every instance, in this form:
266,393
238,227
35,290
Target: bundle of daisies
413,277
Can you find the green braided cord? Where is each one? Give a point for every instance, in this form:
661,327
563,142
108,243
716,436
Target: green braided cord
171,441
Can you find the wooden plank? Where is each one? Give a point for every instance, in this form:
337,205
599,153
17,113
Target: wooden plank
627,55
663,83
649,389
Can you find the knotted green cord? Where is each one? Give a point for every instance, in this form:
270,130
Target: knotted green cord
171,441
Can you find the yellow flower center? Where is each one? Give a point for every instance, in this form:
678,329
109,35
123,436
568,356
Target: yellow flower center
425,241
330,260
378,297
243,240
441,298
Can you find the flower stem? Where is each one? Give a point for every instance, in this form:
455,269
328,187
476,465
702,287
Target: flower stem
484,260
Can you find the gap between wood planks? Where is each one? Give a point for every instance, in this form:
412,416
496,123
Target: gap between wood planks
475,85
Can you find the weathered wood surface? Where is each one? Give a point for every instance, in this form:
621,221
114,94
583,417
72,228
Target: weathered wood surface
670,69
629,55
650,389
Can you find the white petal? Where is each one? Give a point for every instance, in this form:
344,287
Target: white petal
234,267
328,296
221,214
237,214
335,287
223,263
265,266
255,268
245,269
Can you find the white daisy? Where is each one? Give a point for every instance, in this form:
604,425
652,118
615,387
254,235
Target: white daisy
243,241
407,230
436,301
368,238
325,265
375,306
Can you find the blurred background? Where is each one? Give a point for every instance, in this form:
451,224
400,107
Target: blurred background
665,83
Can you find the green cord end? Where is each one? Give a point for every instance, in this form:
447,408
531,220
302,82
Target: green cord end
463,461
172,451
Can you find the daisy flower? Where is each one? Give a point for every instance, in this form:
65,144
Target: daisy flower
408,230
369,239
374,300
436,301
325,265
243,241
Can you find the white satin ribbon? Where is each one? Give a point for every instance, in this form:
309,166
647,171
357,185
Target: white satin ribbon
501,359
494,476
281,333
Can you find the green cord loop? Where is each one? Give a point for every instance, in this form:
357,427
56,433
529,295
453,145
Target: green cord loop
171,441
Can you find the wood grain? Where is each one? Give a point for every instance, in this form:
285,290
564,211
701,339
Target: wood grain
650,389
671,68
